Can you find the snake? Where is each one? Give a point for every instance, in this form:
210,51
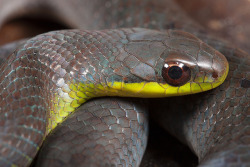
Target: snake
132,62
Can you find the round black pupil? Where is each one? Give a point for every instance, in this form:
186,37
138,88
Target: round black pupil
175,72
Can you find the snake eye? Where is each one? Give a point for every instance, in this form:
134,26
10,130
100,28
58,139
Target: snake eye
176,73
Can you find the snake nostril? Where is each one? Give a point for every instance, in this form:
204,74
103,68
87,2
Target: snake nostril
215,75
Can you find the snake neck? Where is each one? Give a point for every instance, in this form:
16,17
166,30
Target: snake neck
85,70
62,70
75,66
97,68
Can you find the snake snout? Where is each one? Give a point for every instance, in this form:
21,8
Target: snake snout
213,66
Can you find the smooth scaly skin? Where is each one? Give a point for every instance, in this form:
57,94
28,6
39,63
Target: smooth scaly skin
103,132
41,81
172,22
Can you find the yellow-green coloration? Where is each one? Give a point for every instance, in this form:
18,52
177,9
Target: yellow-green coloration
72,95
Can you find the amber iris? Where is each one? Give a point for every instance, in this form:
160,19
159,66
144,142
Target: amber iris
176,73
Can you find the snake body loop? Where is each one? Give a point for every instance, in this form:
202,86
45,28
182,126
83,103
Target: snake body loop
60,70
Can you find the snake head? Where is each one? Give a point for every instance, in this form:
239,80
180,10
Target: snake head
171,63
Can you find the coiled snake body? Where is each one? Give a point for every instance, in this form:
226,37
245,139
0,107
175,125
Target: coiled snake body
50,75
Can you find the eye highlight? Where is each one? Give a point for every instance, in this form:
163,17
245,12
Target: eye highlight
176,73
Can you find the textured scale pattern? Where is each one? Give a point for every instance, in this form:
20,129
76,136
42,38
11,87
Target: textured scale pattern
67,69
103,132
